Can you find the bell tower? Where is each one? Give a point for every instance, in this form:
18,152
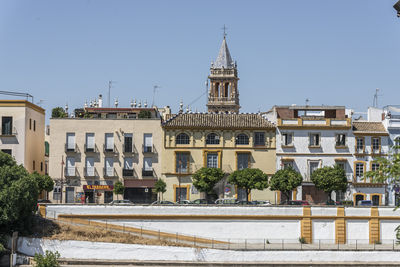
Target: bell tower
223,95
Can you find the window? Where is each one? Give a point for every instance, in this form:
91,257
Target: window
6,125
397,141
30,124
182,139
312,166
147,166
242,139
374,166
33,165
34,125
340,140
212,160
89,168
148,143
360,145
212,139
70,166
111,115
7,151
46,148
242,161
57,192
375,145
359,171
341,164
109,167
128,167
108,196
41,166
90,142
287,164
182,162
109,146
314,140
70,142
259,139
287,139
128,142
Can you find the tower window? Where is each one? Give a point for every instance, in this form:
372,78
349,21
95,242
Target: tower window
226,90
216,90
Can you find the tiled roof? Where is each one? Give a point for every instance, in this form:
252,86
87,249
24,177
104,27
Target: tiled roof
368,127
218,121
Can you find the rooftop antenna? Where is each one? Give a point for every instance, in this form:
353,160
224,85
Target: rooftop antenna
110,84
307,101
155,87
375,103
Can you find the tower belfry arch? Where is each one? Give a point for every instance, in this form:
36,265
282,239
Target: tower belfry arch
223,96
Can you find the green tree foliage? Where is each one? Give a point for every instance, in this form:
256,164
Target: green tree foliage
44,182
119,188
205,179
285,180
249,179
160,187
144,114
330,179
18,196
58,112
50,259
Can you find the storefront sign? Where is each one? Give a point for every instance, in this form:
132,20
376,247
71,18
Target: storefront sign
98,187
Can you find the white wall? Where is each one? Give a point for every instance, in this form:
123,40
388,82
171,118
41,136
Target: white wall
323,231
357,230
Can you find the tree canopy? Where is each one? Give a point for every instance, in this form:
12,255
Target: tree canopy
144,114
119,188
44,182
249,179
160,187
58,112
330,179
285,180
205,179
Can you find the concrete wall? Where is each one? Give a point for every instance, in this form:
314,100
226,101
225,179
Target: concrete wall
106,251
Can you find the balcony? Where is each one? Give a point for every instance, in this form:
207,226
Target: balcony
109,149
70,172
5,132
110,172
223,100
90,172
128,173
314,122
71,148
128,149
147,173
92,149
148,149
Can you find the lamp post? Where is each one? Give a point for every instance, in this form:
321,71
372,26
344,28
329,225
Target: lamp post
179,180
61,178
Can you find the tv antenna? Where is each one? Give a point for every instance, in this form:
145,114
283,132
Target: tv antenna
155,87
375,103
110,85
307,101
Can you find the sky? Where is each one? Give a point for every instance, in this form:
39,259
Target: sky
330,52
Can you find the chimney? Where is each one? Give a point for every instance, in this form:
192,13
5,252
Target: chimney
100,101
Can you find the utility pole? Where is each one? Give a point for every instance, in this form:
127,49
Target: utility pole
61,179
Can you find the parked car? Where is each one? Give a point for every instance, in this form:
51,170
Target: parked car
202,201
121,202
333,203
262,202
364,203
298,203
225,201
184,202
162,202
245,202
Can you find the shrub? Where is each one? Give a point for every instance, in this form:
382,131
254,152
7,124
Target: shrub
50,259
302,240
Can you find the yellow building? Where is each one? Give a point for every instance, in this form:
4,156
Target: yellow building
227,141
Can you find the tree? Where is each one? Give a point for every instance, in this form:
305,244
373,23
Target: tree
249,179
18,196
50,259
285,180
44,182
119,188
160,187
58,112
205,179
330,179
144,114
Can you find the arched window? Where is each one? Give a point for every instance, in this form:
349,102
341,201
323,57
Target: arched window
226,90
242,139
212,139
216,90
182,139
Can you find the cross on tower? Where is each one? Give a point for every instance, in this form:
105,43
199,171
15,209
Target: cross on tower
225,28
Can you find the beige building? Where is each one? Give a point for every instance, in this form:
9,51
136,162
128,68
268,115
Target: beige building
100,146
22,133
227,141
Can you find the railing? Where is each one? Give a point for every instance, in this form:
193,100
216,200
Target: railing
70,147
91,149
128,149
147,173
71,172
359,150
148,149
108,149
128,172
90,172
224,99
109,172
11,132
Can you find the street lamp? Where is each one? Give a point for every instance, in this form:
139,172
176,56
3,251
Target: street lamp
397,7
179,179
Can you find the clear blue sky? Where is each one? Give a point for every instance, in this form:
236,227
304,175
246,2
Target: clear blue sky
332,52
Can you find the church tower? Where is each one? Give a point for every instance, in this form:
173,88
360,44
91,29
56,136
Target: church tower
223,95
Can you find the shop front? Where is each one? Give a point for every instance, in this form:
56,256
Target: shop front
140,191
98,193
